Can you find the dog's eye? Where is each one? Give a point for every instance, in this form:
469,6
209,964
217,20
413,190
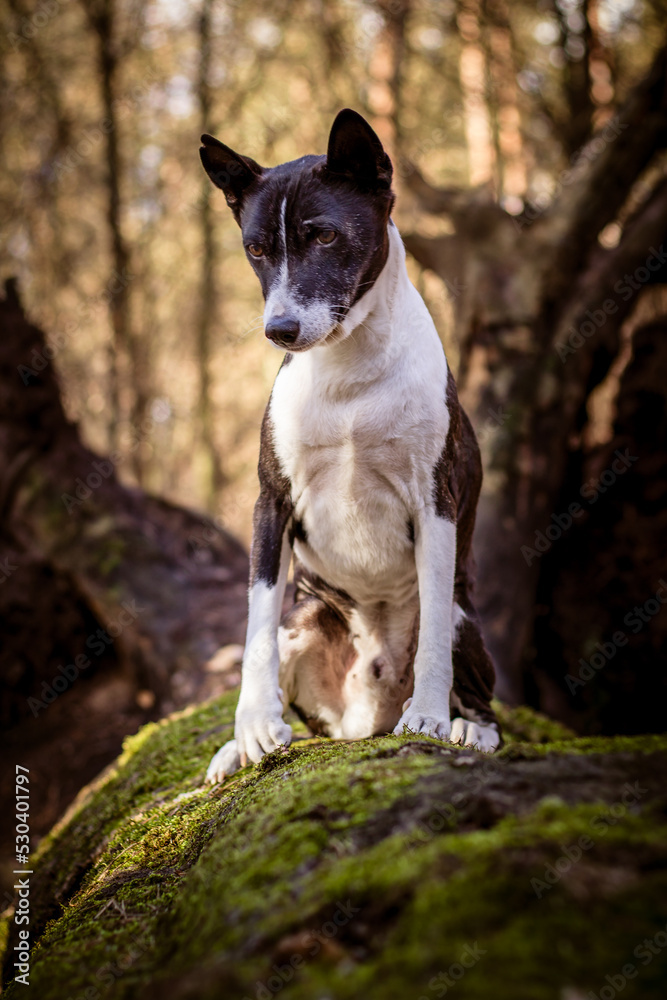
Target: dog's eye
326,236
255,250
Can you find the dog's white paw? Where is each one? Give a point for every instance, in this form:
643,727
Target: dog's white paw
258,733
420,722
473,734
224,762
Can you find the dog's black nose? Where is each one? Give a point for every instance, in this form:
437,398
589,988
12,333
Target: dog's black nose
283,330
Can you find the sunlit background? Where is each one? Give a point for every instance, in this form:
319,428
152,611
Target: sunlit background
132,261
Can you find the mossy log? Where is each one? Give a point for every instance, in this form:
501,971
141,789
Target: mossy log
115,606
384,868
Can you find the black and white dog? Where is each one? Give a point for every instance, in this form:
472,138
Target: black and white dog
369,470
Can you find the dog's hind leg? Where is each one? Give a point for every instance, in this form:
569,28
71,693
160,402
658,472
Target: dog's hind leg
338,669
315,654
474,721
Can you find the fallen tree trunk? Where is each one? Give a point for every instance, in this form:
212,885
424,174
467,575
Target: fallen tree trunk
113,604
165,583
385,868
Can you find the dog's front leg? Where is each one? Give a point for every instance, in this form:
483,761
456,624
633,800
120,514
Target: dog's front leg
259,726
435,556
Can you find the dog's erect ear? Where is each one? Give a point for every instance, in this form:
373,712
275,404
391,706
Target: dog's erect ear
356,152
228,170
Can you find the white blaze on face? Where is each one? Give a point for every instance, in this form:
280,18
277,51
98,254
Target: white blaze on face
277,299
314,318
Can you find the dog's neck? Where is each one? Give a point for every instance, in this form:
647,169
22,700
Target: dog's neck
372,340
376,308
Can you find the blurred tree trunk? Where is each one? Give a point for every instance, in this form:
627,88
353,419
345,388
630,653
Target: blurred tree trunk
577,42
497,41
208,291
538,317
127,358
473,69
101,16
597,588
386,69
40,187
180,579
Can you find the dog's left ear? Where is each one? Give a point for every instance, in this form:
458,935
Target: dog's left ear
356,152
229,171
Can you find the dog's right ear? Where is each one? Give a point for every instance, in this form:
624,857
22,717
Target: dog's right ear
356,152
229,171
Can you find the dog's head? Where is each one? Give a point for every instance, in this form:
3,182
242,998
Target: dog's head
314,229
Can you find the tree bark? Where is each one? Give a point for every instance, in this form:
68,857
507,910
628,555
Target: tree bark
354,869
526,288
126,357
208,291
182,578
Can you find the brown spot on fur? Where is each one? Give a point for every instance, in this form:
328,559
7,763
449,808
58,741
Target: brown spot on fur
321,665
308,583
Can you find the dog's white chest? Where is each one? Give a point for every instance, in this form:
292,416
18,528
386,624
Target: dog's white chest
358,461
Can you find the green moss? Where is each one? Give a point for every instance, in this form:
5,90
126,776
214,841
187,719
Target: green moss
523,724
647,744
373,866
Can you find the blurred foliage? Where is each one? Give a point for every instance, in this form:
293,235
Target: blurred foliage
429,75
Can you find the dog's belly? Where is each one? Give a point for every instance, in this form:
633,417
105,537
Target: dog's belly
356,528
